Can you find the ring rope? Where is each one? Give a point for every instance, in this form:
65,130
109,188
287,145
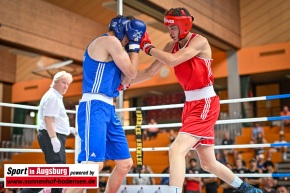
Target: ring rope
28,107
164,148
168,125
228,101
222,146
250,99
21,150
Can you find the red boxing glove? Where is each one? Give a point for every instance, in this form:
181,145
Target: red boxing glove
145,44
122,87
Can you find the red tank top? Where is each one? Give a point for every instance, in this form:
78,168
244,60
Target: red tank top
195,73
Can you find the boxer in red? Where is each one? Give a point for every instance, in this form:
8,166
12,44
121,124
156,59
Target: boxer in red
190,56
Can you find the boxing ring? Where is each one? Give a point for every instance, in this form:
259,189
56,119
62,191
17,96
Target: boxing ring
138,127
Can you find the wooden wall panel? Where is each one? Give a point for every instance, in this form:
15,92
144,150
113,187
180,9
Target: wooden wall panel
92,9
266,58
220,65
7,66
45,27
217,17
25,66
6,112
31,91
264,22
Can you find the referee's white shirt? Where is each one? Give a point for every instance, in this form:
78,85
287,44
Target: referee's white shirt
51,105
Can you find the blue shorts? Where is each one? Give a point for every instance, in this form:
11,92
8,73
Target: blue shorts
101,133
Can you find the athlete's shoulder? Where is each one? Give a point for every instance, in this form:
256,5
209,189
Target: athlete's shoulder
104,40
199,38
199,42
169,46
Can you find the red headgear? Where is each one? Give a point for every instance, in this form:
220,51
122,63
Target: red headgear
183,22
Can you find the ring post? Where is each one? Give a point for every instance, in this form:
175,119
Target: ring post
139,142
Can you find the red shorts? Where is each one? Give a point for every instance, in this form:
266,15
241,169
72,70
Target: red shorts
199,118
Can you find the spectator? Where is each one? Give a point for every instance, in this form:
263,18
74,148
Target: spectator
267,185
257,129
219,157
225,186
239,167
145,135
253,169
282,189
260,162
285,112
103,180
269,168
172,136
165,180
240,156
149,170
145,132
282,149
188,157
259,140
210,184
227,141
152,132
192,183
102,184
143,180
129,180
107,168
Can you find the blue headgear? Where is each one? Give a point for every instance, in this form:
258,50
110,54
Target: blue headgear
118,26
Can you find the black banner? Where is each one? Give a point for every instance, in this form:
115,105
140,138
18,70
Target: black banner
139,142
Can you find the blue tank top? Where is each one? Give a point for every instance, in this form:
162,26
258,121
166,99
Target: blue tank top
100,77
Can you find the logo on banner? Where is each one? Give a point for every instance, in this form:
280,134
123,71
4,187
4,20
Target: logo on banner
51,175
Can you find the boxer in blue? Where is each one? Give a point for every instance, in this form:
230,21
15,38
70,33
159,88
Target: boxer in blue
106,63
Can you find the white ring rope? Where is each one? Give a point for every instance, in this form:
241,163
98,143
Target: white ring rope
218,147
148,149
245,120
228,101
21,150
168,125
28,107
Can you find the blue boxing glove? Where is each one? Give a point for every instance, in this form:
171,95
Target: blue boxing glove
134,31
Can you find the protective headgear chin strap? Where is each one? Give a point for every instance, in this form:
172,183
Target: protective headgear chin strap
118,25
183,22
